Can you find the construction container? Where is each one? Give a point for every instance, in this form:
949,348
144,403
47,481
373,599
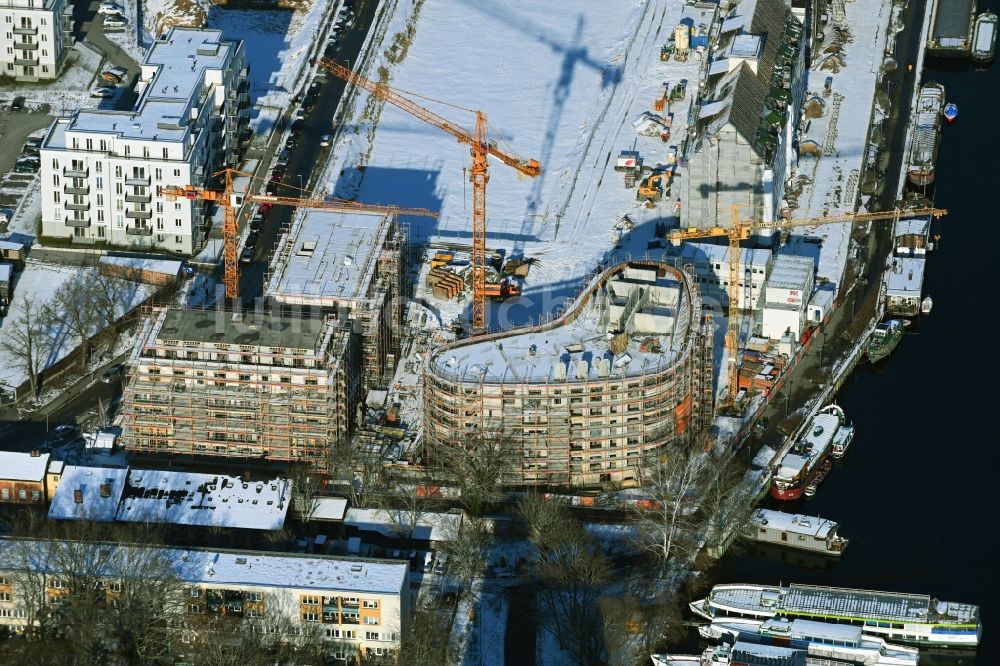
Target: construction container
159,272
628,160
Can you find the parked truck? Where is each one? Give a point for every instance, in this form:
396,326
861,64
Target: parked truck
6,287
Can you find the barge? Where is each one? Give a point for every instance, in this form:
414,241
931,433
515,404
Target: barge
951,28
805,460
809,533
898,617
984,38
820,640
926,135
740,652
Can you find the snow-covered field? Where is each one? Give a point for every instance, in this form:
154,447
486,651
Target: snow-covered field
561,86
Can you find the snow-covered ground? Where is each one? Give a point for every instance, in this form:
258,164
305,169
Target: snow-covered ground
71,91
39,282
562,87
832,179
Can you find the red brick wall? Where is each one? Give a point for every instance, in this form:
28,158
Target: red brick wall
13,489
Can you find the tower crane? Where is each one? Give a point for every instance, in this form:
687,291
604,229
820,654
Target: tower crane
231,201
741,229
481,147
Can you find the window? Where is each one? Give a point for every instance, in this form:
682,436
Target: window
56,584
177,222
158,173
4,580
254,596
310,617
349,633
195,608
177,205
177,173
55,180
5,493
115,586
101,230
36,495
371,620
22,494
4,596
118,171
194,593
310,600
99,182
371,635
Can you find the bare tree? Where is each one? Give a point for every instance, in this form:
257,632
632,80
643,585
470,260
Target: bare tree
467,546
25,340
110,298
404,508
729,499
307,489
426,640
73,304
480,470
664,521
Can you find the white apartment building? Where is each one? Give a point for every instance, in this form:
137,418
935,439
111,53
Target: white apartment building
360,606
710,265
35,36
102,171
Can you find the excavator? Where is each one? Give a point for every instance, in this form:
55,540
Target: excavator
653,187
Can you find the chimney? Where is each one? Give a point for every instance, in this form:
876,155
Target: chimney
78,495
35,453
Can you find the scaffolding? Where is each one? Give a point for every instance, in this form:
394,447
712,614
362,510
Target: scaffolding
222,384
568,431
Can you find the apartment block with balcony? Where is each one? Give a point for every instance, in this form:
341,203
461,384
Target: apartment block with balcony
35,36
103,170
361,607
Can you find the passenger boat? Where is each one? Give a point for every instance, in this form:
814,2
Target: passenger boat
884,339
820,640
740,653
984,38
926,135
950,112
804,460
897,617
926,305
816,535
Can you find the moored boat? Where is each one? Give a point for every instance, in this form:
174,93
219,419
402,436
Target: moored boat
926,135
738,654
926,305
809,533
821,640
984,38
895,616
950,112
884,340
804,460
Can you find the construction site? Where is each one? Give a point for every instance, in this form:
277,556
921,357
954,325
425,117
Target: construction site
586,398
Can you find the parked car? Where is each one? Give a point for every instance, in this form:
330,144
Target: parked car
6,215
256,222
66,432
34,142
325,140
314,88
272,187
309,101
264,209
113,373
247,255
278,173
109,9
17,104
291,141
252,238
301,113
26,166
114,74
283,157
296,127
114,21
102,93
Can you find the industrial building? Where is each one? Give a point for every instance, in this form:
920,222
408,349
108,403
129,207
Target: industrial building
361,606
103,170
739,151
221,384
710,266
583,399
350,265
36,36
787,295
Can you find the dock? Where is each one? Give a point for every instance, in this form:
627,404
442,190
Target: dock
951,27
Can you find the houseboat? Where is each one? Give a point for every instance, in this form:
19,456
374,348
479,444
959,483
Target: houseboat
816,535
808,455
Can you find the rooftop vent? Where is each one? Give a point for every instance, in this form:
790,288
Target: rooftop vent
307,249
356,567
241,560
78,496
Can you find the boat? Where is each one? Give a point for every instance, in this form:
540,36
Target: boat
738,654
926,305
884,339
820,640
804,459
897,617
792,530
950,112
984,38
926,135
820,477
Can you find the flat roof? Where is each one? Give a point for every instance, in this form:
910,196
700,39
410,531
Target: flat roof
794,523
789,271
329,508
183,498
429,526
239,567
905,276
328,256
88,481
719,254
257,329
916,225
16,466
813,629
745,46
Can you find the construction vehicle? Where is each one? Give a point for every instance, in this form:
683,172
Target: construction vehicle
740,230
505,288
679,90
231,201
481,147
667,50
654,186
660,103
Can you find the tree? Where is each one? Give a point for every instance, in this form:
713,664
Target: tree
479,470
307,489
466,547
26,341
664,520
729,499
426,640
73,304
110,298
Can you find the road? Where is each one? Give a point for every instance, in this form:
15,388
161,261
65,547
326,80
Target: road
87,27
304,164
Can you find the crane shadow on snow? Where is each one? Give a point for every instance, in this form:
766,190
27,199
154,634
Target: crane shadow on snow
409,188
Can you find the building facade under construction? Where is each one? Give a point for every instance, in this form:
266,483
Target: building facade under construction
586,398
222,384
350,265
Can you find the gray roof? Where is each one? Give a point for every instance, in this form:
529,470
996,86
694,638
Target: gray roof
257,329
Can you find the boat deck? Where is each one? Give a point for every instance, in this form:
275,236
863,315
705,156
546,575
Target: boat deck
953,19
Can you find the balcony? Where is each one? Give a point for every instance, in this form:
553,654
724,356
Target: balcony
25,30
78,223
76,206
139,231
26,62
139,214
137,179
138,198
349,619
69,189
27,46
76,171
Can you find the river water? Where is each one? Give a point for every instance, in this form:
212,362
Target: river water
916,492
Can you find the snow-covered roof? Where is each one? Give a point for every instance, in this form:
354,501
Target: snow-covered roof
98,489
183,498
428,526
150,264
327,257
243,568
826,631
701,253
99,440
744,650
905,277
791,272
794,523
16,466
329,508
6,244
6,271
915,225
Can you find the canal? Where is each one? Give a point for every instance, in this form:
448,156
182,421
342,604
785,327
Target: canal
915,492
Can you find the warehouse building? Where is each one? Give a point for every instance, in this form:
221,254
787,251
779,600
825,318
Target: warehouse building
35,39
584,399
786,296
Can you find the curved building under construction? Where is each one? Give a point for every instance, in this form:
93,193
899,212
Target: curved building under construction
585,398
